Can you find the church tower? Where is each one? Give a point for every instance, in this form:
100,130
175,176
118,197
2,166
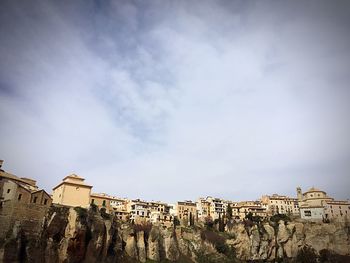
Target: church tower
299,194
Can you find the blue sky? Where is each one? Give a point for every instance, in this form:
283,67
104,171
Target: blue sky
172,100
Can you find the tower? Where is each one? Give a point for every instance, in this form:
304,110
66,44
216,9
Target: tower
299,194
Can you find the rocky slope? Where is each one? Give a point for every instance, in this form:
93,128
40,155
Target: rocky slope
77,235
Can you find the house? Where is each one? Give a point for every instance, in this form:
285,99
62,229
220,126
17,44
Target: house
186,210
250,207
138,209
41,197
312,212
280,204
311,203
337,210
72,191
20,189
203,208
101,200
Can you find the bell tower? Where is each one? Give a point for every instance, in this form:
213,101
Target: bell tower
299,194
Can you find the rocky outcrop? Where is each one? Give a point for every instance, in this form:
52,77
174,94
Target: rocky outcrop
78,235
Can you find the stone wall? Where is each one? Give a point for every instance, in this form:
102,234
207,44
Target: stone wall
29,216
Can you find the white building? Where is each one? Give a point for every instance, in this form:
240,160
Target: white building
312,212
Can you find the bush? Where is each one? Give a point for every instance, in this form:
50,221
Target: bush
82,213
278,217
306,255
327,256
176,221
219,242
93,207
208,223
145,227
104,214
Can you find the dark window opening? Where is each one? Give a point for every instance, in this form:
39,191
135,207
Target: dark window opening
35,199
45,201
19,197
8,190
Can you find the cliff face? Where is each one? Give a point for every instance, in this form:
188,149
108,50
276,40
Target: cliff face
77,235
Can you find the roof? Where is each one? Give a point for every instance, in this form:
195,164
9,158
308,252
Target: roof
311,206
75,176
338,202
42,190
15,178
106,196
314,189
188,203
72,183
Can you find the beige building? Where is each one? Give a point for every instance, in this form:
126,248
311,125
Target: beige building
138,209
41,197
253,207
312,197
16,189
101,200
203,208
280,204
185,210
316,205
72,191
211,207
337,210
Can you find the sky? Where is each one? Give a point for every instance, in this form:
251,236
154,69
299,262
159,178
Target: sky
173,100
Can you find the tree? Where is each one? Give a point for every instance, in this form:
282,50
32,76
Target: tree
249,216
229,212
190,222
221,223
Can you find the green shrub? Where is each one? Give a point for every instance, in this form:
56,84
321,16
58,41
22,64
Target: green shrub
104,214
93,207
219,242
306,255
82,213
278,217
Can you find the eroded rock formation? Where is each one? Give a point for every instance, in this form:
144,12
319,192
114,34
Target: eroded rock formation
77,235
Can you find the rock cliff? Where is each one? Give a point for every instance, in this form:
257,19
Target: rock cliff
77,235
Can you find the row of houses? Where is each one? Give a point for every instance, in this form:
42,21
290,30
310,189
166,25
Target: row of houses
313,204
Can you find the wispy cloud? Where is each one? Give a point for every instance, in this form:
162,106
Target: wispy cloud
172,100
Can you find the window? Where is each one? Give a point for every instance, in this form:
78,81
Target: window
35,199
104,203
45,201
307,213
92,201
8,190
19,197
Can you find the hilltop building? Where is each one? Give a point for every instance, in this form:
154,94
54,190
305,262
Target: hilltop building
280,204
242,209
72,191
315,204
21,189
186,210
210,207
